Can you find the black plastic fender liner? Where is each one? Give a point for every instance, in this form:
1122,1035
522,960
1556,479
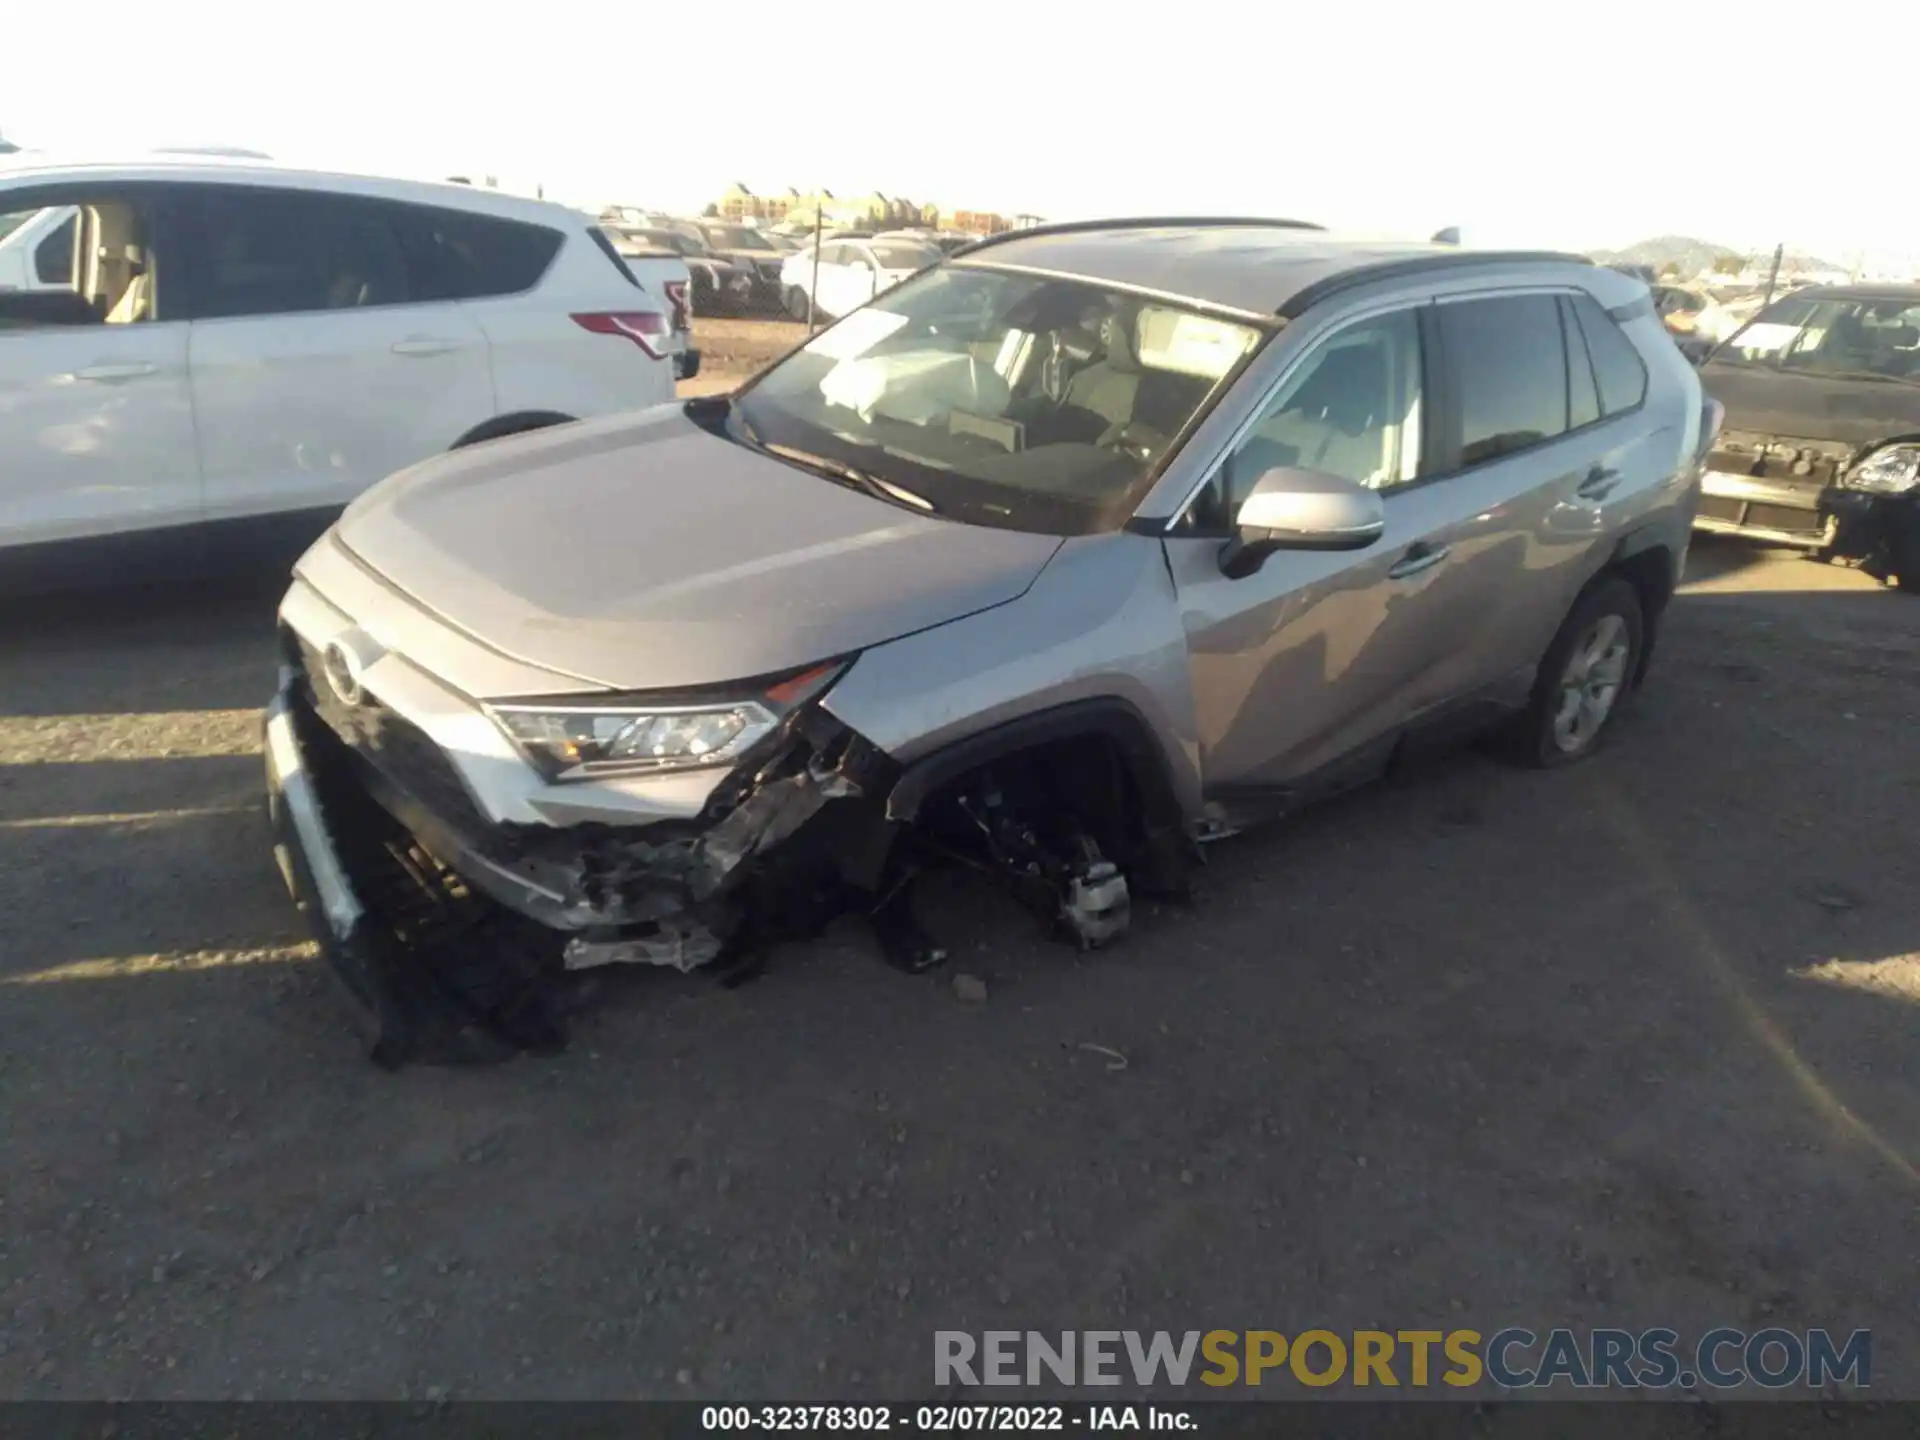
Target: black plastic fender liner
1109,717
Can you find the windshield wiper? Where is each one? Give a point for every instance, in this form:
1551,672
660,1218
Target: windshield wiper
851,475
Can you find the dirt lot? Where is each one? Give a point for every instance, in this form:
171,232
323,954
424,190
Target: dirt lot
730,350
1627,1045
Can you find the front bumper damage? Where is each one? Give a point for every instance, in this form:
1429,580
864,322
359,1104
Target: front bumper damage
452,931
1768,487
1786,491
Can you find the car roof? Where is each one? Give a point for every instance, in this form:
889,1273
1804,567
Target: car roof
206,169
1256,267
1909,293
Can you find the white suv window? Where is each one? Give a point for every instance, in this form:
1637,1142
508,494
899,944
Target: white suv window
102,266
269,252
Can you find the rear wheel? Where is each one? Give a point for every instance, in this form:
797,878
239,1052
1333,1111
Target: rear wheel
1903,549
796,302
1587,675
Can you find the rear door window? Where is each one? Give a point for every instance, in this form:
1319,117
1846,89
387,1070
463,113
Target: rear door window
280,252
456,256
1616,364
1507,361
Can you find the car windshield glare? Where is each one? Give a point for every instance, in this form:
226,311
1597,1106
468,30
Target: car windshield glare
1019,401
1833,337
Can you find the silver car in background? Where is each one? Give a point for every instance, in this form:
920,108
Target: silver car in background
1093,542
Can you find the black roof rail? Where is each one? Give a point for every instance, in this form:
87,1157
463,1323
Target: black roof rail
1139,222
1298,303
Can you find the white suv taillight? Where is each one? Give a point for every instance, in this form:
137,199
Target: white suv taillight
646,328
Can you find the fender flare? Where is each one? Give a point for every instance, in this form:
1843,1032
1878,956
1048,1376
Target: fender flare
1109,717
518,423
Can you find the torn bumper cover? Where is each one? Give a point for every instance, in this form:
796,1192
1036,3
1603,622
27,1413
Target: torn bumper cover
448,928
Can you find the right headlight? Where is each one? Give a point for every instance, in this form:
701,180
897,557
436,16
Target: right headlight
1891,470
580,738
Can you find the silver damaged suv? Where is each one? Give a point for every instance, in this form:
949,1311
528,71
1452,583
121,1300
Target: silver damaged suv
1089,544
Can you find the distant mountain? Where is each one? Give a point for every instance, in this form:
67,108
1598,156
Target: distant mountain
1690,256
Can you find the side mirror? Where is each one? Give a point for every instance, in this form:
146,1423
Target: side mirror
1291,509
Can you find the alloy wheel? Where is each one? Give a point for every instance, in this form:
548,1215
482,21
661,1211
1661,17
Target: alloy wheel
1590,685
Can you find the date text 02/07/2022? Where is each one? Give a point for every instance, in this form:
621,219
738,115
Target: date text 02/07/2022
943,1419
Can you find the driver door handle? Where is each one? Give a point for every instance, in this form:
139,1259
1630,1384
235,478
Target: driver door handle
1420,556
109,374
1599,483
424,345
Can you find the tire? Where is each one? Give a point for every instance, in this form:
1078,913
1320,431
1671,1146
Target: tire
501,426
797,302
1605,634
1903,553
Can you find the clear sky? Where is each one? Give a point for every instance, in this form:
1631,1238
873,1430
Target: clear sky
1542,123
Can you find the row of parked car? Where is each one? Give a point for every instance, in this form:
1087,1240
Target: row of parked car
738,269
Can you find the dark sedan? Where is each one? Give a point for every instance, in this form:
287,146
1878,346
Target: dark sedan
1822,441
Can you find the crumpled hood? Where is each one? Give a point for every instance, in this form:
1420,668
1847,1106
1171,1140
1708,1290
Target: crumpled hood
642,552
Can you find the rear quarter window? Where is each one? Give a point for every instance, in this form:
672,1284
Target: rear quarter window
457,256
605,247
1617,367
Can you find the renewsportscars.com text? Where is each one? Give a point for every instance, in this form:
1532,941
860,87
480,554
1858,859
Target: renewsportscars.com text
1513,1358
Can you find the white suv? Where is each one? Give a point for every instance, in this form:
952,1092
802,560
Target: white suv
222,355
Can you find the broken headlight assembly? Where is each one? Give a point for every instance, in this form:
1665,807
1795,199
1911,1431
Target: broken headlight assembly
1890,470
581,738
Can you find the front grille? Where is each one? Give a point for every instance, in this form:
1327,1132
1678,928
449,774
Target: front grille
1780,460
1719,507
393,745
1766,517
1784,517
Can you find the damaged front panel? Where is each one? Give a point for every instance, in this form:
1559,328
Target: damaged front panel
474,920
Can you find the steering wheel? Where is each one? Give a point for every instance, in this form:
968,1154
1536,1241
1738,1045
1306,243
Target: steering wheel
1140,442
1054,379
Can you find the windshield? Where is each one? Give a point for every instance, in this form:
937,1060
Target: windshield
736,237
904,254
1018,401
1832,336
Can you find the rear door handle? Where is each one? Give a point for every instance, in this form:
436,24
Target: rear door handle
1421,556
110,374
420,345
1599,483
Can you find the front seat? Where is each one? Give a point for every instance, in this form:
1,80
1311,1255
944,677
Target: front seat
136,301
1108,387
1333,422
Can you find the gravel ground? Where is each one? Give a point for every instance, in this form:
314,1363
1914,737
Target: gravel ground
1626,1045
730,350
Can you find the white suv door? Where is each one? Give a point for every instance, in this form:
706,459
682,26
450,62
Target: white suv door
96,420
321,360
